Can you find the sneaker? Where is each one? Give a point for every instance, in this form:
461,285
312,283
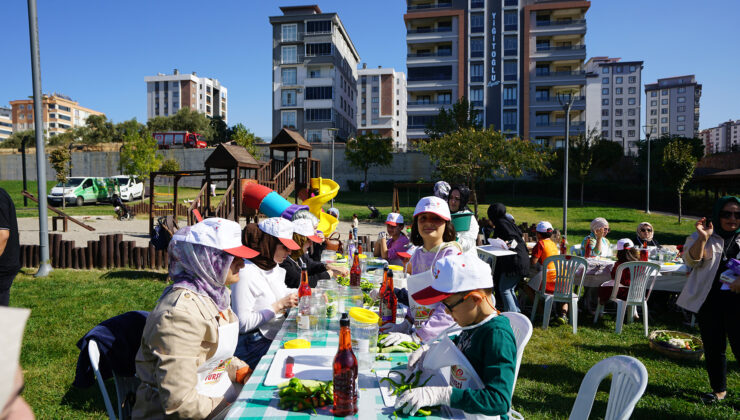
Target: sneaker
561,320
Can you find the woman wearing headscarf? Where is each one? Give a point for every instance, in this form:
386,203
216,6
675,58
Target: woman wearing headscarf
596,240
262,298
717,304
185,361
509,269
645,233
305,235
458,201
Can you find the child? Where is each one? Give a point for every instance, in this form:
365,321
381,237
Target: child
463,284
433,233
626,251
545,248
355,225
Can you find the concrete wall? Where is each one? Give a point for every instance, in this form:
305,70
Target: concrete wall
405,167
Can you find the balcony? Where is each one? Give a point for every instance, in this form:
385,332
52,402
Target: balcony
558,128
428,30
430,54
292,60
476,79
560,77
437,5
425,103
546,48
509,102
550,53
476,103
579,103
477,4
560,27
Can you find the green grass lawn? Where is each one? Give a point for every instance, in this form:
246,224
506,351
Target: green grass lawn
68,303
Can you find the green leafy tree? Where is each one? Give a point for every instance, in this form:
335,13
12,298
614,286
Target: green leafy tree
139,154
158,124
679,164
242,136
581,159
471,155
460,116
657,172
187,119
61,161
221,132
124,127
18,138
68,137
369,150
98,130
169,165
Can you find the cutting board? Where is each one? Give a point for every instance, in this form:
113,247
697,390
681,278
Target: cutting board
314,363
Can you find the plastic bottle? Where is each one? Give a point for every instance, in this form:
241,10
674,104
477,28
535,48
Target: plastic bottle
388,299
345,373
355,273
304,289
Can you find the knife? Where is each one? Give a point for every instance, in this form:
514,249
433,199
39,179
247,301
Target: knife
289,361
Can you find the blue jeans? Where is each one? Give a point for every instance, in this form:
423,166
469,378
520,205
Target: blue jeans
507,286
251,346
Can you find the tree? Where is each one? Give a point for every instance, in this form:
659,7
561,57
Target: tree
158,124
123,127
474,155
18,138
169,165
679,164
61,161
657,172
139,154
187,119
460,116
98,130
581,156
221,132
369,150
244,138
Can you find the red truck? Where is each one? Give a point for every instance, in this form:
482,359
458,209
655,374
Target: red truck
179,139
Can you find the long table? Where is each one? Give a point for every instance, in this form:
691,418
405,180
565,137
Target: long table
671,278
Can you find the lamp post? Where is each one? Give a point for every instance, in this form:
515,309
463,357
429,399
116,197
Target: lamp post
333,132
647,129
566,100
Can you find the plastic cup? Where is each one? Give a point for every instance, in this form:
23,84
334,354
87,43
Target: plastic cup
363,325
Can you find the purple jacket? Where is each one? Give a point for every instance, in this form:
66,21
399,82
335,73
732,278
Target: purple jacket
394,247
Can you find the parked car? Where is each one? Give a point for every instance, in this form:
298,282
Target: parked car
80,190
130,187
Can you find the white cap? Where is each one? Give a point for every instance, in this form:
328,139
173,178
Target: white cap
624,243
333,211
434,205
394,219
305,228
281,229
544,227
455,273
218,233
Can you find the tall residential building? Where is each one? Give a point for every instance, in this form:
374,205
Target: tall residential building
6,122
510,58
382,104
723,138
672,106
314,74
168,93
60,113
613,99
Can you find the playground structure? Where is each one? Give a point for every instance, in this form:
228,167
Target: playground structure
423,189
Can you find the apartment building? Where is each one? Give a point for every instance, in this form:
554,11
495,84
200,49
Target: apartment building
613,98
6,122
723,138
672,106
60,113
314,75
168,93
382,104
510,58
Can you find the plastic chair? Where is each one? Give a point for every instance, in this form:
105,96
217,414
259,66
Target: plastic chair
522,328
641,272
629,380
125,386
566,273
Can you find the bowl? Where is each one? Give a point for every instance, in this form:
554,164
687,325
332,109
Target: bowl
675,353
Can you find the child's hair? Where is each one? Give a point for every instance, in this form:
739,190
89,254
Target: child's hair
354,215
626,255
546,235
300,240
449,234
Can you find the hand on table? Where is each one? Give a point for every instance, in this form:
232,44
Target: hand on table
398,338
339,271
412,400
416,359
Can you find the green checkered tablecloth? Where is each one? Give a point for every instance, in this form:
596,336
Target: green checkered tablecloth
258,401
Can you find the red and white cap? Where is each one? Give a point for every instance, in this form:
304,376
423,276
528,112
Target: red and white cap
455,273
281,229
434,205
218,233
544,227
305,228
394,219
624,243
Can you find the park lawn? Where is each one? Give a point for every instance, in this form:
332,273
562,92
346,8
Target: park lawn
69,302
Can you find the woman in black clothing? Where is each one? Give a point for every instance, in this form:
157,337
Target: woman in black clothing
304,234
645,234
510,269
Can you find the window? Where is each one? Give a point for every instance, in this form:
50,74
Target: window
319,114
417,74
681,127
509,96
375,89
289,76
619,80
605,134
288,97
681,99
618,101
24,107
509,120
664,92
653,94
543,45
290,32
542,95
289,54
510,69
605,70
510,45
633,69
605,123
682,90
631,101
618,69
605,91
664,110
314,73
444,98
376,99
617,123
288,119
681,118
618,91
605,80
510,21
664,120
631,133
323,48
476,96
364,122
375,110
653,112
318,26
617,112
653,103
630,123
542,69
476,72
374,121
604,112
664,101
632,90
50,116
632,79
682,108
542,119
618,133
605,101
631,112
318,92
653,120
476,22
313,135
64,108
476,47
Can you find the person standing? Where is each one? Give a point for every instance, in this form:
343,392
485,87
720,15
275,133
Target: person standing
512,268
10,262
458,201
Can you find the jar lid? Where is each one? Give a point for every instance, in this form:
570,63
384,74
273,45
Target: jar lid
395,267
298,343
361,256
363,315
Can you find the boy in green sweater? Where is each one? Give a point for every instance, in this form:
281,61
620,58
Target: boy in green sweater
463,284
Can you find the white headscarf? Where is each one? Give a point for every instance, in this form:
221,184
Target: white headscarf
598,223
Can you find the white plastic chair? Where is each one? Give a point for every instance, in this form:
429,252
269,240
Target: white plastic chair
566,278
125,386
522,328
629,380
641,272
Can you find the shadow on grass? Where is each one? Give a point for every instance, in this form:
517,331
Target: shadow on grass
89,399
640,351
134,275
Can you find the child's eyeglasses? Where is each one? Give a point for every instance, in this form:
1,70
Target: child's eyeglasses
450,307
724,214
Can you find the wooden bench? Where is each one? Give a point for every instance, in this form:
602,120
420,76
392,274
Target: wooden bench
55,219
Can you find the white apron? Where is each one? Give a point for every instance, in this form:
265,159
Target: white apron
213,379
414,283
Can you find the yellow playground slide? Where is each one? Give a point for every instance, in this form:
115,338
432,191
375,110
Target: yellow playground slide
327,190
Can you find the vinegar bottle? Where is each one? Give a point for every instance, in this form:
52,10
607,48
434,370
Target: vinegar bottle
587,253
355,274
304,289
563,249
345,373
644,252
388,299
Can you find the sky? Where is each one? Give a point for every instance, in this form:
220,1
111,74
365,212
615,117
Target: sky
98,51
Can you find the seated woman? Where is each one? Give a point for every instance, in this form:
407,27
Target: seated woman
458,202
596,240
626,252
304,235
645,233
389,248
261,298
191,333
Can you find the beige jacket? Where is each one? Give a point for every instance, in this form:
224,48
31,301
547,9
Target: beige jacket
703,271
180,334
